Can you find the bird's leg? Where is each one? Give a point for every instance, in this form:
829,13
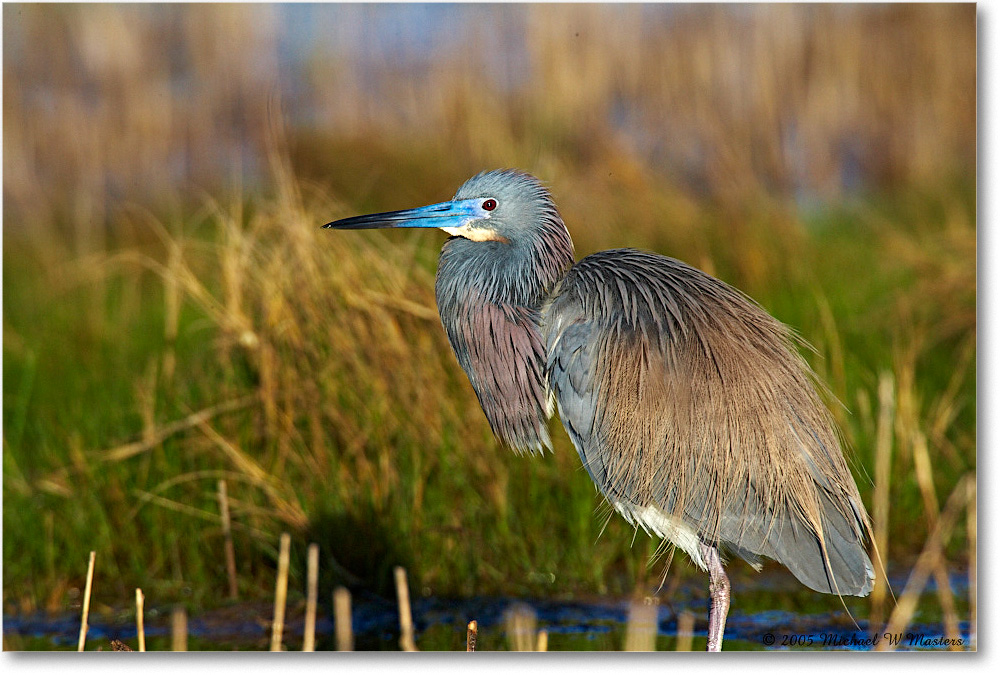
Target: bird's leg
718,588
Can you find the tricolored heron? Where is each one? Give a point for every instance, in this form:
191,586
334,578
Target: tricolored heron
690,407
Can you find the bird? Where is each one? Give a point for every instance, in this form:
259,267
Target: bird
688,403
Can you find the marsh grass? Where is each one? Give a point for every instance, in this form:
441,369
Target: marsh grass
173,316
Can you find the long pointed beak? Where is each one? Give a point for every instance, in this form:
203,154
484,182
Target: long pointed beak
450,215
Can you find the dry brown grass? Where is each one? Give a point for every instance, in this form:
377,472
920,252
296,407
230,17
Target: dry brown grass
115,102
931,559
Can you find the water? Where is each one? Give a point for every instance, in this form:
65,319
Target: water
572,625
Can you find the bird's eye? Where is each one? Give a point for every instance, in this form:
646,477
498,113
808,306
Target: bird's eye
490,204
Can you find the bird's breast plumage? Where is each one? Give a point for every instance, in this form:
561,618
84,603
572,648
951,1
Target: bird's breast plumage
496,336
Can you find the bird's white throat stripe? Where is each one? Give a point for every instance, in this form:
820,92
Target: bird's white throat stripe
474,233
655,521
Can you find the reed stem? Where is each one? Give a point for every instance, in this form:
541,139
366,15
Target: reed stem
179,629
312,583
280,592
227,533
640,629
86,603
521,621
342,619
139,628
405,617
685,631
470,636
881,492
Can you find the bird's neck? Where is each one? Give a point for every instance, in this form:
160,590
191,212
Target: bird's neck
489,295
517,273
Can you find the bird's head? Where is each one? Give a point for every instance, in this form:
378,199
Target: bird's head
505,206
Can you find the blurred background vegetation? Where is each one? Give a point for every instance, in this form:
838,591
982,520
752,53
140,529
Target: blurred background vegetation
173,315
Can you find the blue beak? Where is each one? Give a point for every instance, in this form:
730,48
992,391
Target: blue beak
453,214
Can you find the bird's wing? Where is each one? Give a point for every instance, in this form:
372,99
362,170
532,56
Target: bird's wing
688,402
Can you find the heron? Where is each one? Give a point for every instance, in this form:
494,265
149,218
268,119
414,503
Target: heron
689,405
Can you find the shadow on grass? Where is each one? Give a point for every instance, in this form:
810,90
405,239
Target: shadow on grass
358,550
